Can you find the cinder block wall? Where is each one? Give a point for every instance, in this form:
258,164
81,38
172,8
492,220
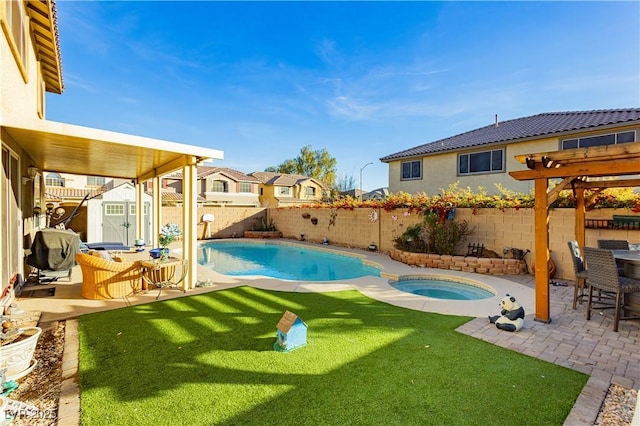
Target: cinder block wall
228,222
360,227
494,228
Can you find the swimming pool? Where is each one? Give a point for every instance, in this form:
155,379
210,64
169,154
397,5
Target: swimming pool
283,261
439,288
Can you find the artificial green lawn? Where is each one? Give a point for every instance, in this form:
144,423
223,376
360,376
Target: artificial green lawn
209,360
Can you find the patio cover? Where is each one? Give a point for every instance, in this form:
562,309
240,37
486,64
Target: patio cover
67,148
576,168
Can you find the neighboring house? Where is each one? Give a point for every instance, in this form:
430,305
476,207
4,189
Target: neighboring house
217,186
68,188
281,189
353,193
483,157
376,194
173,199
30,66
96,217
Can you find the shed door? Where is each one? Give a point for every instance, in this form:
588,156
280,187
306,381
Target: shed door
119,222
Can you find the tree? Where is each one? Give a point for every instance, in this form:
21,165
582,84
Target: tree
346,183
318,164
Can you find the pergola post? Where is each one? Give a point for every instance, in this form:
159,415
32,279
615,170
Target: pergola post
580,217
574,166
541,227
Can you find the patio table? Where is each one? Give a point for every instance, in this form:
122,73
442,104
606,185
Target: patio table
162,273
631,260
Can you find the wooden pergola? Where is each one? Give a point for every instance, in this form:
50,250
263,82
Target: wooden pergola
577,169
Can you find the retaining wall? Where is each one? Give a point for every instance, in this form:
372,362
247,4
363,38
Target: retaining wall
479,265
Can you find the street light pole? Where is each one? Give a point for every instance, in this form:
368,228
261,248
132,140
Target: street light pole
361,169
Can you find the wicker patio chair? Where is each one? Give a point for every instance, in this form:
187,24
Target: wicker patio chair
615,245
580,273
106,279
602,274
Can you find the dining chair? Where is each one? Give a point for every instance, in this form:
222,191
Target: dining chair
579,271
602,274
615,245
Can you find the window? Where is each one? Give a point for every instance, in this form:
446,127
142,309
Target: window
219,186
310,191
285,190
95,181
481,162
53,179
600,140
114,209
412,170
244,187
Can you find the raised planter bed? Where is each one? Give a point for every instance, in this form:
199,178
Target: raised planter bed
480,265
262,234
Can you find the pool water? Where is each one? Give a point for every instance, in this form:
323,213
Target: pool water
441,289
283,261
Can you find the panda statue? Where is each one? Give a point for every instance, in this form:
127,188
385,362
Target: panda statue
511,316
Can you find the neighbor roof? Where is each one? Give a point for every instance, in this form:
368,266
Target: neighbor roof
281,179
172,196
65,193
204,171
545,124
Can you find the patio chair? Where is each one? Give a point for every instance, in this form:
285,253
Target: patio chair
602,274
615,245
107,279
579,271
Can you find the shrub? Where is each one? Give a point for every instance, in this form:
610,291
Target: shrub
436,234
412,239
264,225
443,236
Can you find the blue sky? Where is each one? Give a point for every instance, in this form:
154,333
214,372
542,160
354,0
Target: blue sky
260,80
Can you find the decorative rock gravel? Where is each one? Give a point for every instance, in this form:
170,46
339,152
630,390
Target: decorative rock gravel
618,407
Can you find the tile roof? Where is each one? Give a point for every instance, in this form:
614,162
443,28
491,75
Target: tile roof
204,171
172,196
281,179
540,125
65,193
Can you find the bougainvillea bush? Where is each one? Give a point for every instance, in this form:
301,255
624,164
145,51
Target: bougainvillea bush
454,196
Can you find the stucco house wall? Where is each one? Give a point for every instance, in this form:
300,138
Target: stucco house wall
19,196
440,163
12,84
440,171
